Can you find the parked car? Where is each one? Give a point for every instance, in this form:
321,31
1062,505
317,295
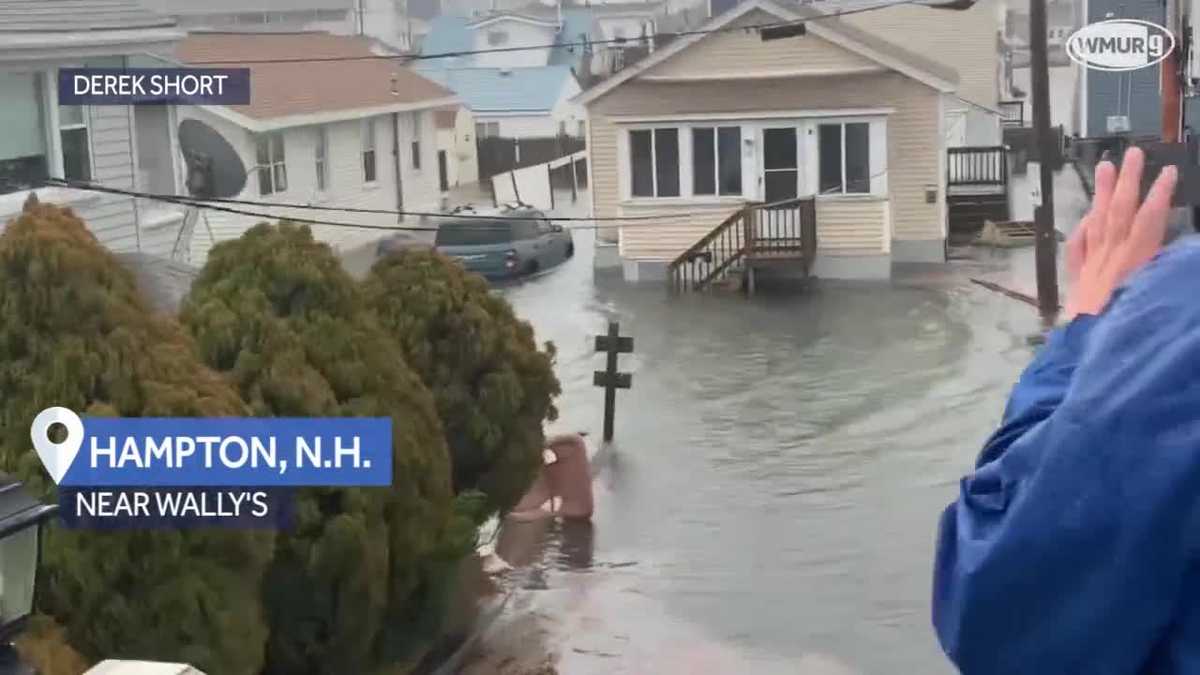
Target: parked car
504,243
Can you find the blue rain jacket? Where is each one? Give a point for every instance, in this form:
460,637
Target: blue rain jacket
1072,548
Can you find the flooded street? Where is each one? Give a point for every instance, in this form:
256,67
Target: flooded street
769,505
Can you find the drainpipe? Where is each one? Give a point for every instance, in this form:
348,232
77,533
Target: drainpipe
396,163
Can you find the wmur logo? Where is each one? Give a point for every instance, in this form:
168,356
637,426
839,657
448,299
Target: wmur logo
1120,44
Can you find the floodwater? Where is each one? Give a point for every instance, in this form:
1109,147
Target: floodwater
770,502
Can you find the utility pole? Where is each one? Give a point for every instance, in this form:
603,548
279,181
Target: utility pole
1046,240
1170,83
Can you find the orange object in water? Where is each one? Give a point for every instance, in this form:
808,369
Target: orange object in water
563,486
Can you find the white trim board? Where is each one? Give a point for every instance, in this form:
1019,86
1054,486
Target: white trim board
751,115
255,125
816,26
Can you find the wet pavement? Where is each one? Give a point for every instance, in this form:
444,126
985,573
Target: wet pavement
771,500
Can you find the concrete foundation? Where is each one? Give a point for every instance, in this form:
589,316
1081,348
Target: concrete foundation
918,251
852,267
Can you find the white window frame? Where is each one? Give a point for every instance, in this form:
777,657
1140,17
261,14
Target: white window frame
686,180
487,128
86,125
273,162
415,145
683,140
877,150
367,135
321,158
716,129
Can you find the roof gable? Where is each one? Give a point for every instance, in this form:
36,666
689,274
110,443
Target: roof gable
857,48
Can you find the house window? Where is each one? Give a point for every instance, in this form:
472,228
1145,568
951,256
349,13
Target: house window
654,162
73,128
717,161
582,128
322,159
416,142
562,128
495,38
487,129
845,158
272,169
368,151
24,160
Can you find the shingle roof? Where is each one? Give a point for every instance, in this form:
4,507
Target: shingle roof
306,87
485,90
46,16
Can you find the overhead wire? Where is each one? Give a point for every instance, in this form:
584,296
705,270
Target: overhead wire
560,45
222,205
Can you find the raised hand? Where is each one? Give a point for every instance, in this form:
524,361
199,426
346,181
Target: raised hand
1119,234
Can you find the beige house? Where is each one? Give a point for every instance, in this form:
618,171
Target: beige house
458,160
715,121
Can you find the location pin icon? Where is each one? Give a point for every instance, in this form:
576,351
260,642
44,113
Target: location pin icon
57,457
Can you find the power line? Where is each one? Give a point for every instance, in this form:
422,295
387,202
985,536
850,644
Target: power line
217,204
199,202
561,45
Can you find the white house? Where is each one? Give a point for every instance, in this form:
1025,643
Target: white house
384,20
119,146
356,133
518,102
458,159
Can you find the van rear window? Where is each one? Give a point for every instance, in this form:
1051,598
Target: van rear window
475,232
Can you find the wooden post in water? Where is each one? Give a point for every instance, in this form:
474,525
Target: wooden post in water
612,345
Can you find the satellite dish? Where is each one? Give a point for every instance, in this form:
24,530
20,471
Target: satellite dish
214,169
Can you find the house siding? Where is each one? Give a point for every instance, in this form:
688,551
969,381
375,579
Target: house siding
966,40
912,156
733,54
111,218
345,188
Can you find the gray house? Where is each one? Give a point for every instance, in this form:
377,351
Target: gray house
1121,101
125,147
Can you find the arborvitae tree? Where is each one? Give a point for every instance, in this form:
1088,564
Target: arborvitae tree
494,387
356,584
74,332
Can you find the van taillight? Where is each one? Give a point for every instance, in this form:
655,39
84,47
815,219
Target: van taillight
510,258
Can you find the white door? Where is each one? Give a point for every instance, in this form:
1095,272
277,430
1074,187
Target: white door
781,161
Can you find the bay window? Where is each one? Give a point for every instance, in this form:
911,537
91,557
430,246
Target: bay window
844,158
24,155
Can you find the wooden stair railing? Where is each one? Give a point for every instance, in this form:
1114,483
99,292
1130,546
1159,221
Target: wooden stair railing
780,230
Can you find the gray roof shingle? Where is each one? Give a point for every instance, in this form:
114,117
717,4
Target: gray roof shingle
57,16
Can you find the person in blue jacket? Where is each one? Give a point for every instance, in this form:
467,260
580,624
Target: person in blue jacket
1074,546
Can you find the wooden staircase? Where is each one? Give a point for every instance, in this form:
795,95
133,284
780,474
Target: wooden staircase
751,238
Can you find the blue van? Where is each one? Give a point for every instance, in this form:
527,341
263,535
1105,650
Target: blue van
517,242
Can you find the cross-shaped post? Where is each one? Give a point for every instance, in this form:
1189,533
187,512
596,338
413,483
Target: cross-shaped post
612,345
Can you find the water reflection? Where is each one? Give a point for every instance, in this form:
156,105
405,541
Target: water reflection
781,464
